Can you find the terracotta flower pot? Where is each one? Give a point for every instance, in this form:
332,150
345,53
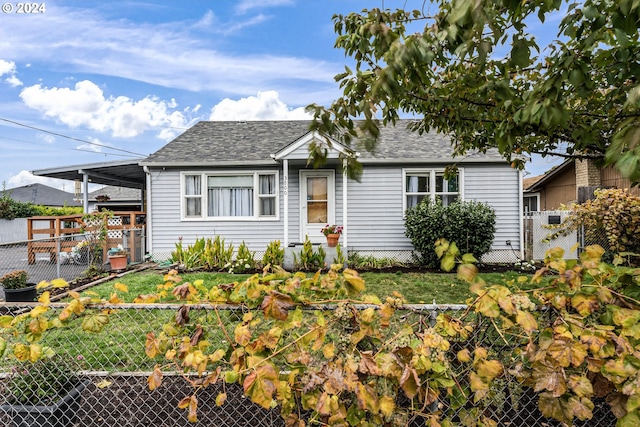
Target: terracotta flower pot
118,262
332,240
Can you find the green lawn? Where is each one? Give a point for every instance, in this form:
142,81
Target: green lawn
415,287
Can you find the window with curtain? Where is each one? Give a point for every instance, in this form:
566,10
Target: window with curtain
429,183
193,195
417,187
446,190
243,195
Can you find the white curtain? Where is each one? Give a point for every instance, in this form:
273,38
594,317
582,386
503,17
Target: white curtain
412,187
230,202
193,187
267,188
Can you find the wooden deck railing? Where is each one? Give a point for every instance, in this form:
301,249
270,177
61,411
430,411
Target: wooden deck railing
46,233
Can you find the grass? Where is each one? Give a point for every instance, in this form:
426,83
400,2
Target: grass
417,288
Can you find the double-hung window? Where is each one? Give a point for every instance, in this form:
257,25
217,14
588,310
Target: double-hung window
419,184
245,195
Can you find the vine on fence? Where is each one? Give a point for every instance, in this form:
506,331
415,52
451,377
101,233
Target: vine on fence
326,353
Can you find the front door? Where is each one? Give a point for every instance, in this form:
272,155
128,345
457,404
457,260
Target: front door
317,196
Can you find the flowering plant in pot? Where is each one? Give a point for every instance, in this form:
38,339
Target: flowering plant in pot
16,287
332,232
44,392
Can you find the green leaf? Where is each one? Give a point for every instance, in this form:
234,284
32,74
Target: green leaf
448,262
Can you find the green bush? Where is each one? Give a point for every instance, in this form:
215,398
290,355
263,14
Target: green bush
470,224
274,255
12,209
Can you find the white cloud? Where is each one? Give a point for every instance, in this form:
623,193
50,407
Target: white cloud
172,54
247,5
25,177
49,139
265,106
9,68
13,81
85,105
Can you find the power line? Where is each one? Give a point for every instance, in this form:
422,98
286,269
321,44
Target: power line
71,137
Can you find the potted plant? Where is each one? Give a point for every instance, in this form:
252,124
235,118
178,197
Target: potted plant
16,288
332,233
118,258
43,393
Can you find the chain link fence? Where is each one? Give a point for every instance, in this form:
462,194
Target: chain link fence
68,257
114,364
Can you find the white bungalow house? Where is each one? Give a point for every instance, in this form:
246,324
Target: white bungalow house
250,181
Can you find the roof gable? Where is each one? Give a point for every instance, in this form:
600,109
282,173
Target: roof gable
300,149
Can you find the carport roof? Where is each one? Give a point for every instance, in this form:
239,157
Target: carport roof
120,173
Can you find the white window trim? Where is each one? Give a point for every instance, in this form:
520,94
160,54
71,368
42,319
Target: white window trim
256,197
431,172
532,195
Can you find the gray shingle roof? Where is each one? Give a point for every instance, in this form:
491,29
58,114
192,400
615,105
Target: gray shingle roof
254,141
41,194
117,193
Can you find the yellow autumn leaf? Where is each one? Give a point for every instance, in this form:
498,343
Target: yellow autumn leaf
464,355
489,368
329,351
155,379
59,283
527,321
103,384
44,298
38,311
43,284
353,282
121,287
221,398
387,406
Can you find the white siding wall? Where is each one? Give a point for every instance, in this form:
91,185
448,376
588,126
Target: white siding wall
375,218
167,226
497,185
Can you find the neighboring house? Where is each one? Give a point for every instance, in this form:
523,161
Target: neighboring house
40,194
572,181
117,199
250,181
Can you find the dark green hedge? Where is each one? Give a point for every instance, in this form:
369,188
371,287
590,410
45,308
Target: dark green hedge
471,225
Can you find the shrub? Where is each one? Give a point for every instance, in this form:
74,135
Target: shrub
17,279
12,209
309,260
274,255
613,213
470,224
245,260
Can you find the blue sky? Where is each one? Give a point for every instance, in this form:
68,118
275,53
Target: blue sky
128,76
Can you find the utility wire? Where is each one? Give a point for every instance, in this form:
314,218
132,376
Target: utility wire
71,137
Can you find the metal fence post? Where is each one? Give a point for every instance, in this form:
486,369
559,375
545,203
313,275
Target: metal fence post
58,258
